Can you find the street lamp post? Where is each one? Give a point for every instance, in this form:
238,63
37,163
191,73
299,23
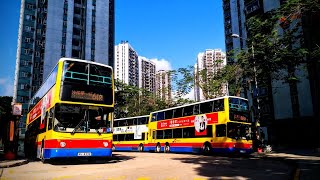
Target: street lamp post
255,74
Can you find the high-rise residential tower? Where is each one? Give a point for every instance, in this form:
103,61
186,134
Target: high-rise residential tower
234,23
51,29
126,64
147,73
285,108
163,85
212,60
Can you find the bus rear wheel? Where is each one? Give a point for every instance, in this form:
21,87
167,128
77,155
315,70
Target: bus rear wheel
167,149
206,148
140,148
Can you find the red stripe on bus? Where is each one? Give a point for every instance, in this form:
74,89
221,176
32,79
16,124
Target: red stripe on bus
126,145
77,143
214,145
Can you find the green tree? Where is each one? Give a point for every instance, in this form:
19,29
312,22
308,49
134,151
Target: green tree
132,101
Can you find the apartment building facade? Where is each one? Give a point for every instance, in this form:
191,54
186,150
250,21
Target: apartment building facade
126,64
211,60
163,85
49,30
147,74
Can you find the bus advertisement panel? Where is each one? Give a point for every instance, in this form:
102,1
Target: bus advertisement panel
71,115
129,134
208,126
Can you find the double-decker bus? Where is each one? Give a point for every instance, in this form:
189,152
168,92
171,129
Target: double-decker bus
220,125
130,134
71,115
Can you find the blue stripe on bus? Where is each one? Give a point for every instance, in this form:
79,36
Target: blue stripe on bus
65,152
188,149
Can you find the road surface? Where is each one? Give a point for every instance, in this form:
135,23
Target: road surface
135,165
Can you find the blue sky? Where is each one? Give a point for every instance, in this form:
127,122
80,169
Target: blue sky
171,32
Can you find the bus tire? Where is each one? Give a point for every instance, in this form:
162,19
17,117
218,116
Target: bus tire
158,148
140,148
42,154
166,148
206,148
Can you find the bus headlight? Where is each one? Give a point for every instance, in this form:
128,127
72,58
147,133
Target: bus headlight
63,144
105,144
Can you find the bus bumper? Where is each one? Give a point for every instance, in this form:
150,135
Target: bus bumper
77,152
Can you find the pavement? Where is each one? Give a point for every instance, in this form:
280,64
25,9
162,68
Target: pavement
305,161
20,160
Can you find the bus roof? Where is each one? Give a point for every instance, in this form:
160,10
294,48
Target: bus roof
131,117
83,60
223,97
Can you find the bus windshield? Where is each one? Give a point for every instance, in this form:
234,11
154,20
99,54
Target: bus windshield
239,131
86,82
79,118
239,110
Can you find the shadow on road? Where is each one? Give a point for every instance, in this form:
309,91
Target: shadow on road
219,167
79,161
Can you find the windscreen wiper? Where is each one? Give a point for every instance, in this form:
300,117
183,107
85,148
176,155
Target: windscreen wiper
82,120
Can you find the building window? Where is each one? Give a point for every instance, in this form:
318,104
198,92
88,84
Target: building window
24,74
37,54
63,46
28,17
27,39
29,6
36,65
26,51
28,28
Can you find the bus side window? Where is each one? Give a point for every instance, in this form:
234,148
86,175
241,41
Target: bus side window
177,133
196,110
188,111
50,117
177,113
160,116
159,134
221,130
219,105
206,107
169,114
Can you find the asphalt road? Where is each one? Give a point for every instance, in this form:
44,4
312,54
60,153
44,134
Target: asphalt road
134,165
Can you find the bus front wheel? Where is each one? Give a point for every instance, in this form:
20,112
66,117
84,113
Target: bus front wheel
42,155
158,148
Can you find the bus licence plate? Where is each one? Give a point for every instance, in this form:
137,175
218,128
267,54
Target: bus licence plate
84,154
